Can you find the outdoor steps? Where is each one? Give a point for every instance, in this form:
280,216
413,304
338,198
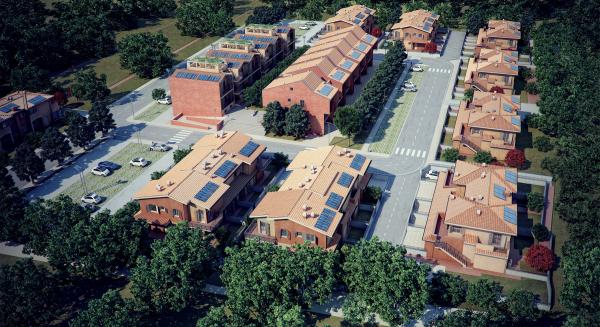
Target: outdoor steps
467,53
465,58
452,252
459,89
458,95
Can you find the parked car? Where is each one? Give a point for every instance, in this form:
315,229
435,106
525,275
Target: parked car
304,27
409,89
109,165
91,198
417,68
138,162
311,23
100,171
159,147
432,174
165,100
409,85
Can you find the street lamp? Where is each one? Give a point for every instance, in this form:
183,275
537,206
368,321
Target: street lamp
80,170
137,132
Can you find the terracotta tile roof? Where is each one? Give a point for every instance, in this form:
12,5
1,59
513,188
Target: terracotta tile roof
504,29
420,19
277,204
465,213
342,45
494,55
323,64
308,78
494,122
21,100
332,53
354,15
496,103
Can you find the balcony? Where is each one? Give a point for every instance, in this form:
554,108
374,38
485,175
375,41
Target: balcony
252,232
207,227
491,251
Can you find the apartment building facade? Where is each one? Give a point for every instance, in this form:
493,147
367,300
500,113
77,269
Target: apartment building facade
490,122
315,202
24,112
321,78
415,29
356,15
492,70
206,187
472,219
499,35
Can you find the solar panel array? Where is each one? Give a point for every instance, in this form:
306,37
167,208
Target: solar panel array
516,121
507,107
325,219
224,54
257,38
225,168
8,107
206,191
248,149
368,38
356,21
515,99
362,47
510,215
355,54
326,89
499,192
283,30
357,162
37,100
202,77
514,67
514,54
507,58
510,176
261,45
338,75
334,201
234,64
360,15
345,180
347,64
427,27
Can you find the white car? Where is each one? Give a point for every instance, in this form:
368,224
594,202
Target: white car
409,85
165,100
138,162
304,27
311,24
417,68
432,174
91,198
100,171
409,89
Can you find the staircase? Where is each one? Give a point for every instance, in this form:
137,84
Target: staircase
452,252
470,144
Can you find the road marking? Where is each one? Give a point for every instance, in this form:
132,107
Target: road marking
402,152
180,136
397,150
412,154
418,153
424,153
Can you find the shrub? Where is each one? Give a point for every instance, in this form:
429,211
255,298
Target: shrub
280,159
450,155
533,120
543,143
157,174
548,164
531,88
179,154
515,158
373,194
483,157
540,232
468,95
497,89
430,47
535,201
158,94
540,258
273,188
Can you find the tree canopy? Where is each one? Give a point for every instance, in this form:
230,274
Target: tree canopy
205,17
55,145
100,117
12,204
348,121
296,122
274,118
79,131
147,55
89,87
110,310
26,163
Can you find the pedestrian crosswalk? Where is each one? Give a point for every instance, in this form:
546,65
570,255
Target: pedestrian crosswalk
180,136
439,70
411,152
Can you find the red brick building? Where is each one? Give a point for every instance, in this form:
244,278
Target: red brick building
356,15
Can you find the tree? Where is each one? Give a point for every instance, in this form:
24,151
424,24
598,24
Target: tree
515,158
448,290
430,47
30,78
100,117
280,160
78,130
347,121
535,201
179,154
458,318
580,292
205,17
28,295
158,94
296,122
145,54
175,273
468,95
312,10
149,8
450,155
447,13
373,194
382,280
413,5
543,143
109,310
521,306
540,258
483,157
484,293
214,317
497,89
12,204
540,232
89,87
26,164
55,145
274,119
266,15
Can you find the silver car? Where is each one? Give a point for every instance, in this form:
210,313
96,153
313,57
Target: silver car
159,147
138,162
91,198
100,171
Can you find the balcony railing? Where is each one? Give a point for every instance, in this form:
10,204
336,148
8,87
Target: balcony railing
208,227
453,252
252,232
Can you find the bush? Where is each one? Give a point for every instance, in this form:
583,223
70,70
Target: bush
157,174
280,160
450,155
540,232
430,47
540,258
543,143
548,164
531,88
158,94
483,157
468,95
373,194
497,89
448,290
533,120
535,201
180,154
273,188
515,158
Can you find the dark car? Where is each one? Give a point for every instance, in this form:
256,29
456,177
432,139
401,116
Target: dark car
109,165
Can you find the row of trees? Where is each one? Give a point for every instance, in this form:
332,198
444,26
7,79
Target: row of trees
291,121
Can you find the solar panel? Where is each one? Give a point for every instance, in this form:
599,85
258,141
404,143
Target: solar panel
507,58
507,107
225,168
261,45
345,180
357,162
206,191
325,219
356,21
334,201
37,100
514,54
515,99
427,27
510,215
368,38
234,64
515,121
355,54
326,89
338,75
510,176
360,15
347,64
249,149
499,192
362,47
8,107
514,67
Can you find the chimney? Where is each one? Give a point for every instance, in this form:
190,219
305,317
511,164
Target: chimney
300,185
484,165
496,65
313,215
480,197
305,207
159,187
483,174
478,212
170,183
472,198
305,214
307,179
493,118
452,197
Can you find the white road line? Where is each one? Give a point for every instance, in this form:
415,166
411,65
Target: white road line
178,138
424,153
412,154
402,152
418,153
397,150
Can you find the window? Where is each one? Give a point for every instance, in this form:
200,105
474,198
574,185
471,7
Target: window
302,103
283,233
475,131
310,237
299,234
454,229
199,215
152,208
163,209
176,213
291,88
265,229
289,100
496,239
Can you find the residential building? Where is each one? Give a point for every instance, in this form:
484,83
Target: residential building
490,122
472,219
492,69
320,79
500,35
242,61
356,15
272,42
415,29
211,184
24,112
316,201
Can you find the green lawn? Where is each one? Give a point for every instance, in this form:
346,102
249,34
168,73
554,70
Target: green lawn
387,134
451,121
534,286
345,143
447,139
534,157
155,110
110,185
